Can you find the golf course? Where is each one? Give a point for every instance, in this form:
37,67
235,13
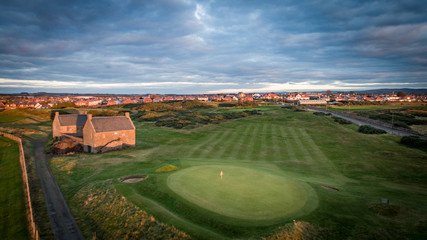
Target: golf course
249,178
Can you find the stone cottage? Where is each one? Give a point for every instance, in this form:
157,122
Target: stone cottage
96,134
71,124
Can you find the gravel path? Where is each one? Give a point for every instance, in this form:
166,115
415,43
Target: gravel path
63,224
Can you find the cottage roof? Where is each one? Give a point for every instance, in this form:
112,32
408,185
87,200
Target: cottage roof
108,124
72,119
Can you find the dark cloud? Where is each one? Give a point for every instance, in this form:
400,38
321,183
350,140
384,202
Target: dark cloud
252,44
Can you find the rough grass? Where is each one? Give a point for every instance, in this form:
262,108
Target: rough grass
13,219
111,216
297,145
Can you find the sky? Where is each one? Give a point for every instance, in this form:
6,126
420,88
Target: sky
195,47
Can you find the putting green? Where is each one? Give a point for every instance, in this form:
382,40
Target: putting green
243,193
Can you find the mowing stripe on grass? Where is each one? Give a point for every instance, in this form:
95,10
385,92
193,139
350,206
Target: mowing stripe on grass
271,149
300,147
261,144
251,151
228,144
209,151
286,141
277,149
319,155
195,150
207,145
238,146
245,143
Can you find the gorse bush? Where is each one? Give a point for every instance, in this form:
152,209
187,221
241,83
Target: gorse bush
182,119
366,129
321,114
341,120
173,106
414,141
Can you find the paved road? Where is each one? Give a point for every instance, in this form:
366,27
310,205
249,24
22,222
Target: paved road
63,224
361,122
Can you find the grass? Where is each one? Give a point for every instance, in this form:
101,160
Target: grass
13,219
280,145
243,192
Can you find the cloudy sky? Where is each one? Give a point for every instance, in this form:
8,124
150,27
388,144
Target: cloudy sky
190,46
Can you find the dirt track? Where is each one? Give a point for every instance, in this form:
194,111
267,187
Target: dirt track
63,224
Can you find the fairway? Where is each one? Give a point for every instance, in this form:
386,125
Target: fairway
242,193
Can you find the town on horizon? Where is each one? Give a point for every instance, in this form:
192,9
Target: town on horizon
47,100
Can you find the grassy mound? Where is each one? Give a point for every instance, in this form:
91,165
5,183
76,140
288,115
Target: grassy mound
241,192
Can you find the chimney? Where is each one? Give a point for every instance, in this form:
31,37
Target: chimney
127,114
89,117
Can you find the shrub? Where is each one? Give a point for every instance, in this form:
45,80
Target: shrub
253,112
414,141
366,129
341,120
226,105
321,114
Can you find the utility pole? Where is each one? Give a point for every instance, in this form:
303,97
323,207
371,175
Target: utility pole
392,120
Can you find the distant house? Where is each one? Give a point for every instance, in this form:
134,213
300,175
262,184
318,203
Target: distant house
241,95
147,100
297,96
158,99
312,102
247,99
168,98
98,134
203,98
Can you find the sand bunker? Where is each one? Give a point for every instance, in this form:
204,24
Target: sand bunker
133,179
329,188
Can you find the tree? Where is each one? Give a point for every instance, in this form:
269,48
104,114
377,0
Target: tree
153,96
329,92
401,94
